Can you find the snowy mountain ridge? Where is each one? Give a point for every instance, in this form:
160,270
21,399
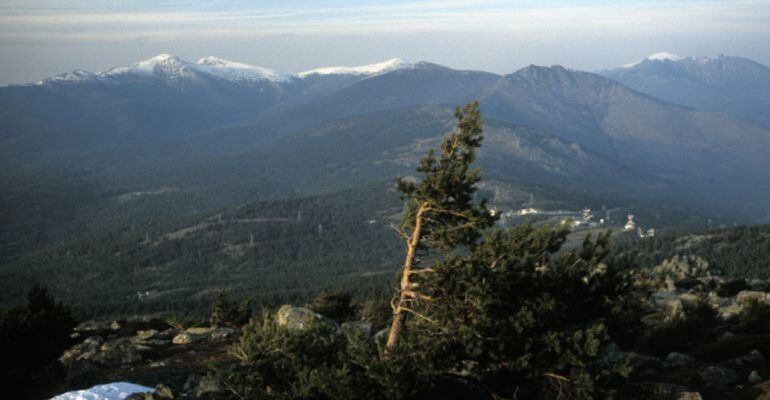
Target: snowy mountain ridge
173,68
370,69
659,56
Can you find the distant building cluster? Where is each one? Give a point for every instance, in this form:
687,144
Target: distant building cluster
631,226
584,218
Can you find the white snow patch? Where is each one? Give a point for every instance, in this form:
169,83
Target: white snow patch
109,391
660,56
236,71
665,56
371,69
74,76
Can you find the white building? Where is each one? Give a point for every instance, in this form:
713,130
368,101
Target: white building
630,225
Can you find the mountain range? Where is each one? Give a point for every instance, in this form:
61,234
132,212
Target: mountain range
734,86
167,142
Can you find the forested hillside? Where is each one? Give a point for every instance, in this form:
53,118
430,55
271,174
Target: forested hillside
742,253
273,251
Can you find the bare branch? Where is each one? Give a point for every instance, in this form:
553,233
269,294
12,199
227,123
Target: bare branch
415,313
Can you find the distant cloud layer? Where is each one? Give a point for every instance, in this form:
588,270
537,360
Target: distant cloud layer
40,38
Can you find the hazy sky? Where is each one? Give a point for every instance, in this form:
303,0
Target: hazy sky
40,38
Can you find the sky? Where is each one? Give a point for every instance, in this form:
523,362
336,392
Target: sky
42,38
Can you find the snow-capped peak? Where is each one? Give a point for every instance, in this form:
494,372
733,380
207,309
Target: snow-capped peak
162,62
371,69
236,71
173,69
665,56
660,56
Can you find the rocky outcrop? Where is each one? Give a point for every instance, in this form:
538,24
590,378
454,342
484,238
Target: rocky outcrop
718,376
300,318
192,335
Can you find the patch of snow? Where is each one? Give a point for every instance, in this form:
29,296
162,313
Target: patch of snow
165,62
74,76
109,391
665,56
660,56
236,71
371,69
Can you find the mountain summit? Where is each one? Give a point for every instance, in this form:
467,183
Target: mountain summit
660,56
370,69
172,68
729,85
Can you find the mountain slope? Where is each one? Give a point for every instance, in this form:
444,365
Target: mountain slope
696,150
731,85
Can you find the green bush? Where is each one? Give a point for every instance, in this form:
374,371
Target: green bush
684,333
333,305
226,312
375,310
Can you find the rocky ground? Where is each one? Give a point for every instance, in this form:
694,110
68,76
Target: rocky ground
148,351
724,360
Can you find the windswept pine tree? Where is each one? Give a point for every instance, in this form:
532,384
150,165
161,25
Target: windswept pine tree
441,212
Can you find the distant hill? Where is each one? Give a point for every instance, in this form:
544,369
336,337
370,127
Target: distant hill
692,149
734,86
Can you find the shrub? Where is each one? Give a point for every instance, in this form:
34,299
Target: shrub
375,310
683,334
333,304
226,312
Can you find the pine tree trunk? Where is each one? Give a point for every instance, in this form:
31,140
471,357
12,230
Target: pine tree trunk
398,315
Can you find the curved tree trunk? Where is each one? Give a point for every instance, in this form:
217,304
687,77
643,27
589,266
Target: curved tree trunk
406,272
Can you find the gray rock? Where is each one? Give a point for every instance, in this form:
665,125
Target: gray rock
208,384
150,337
222,333
300,318
676,359
118,352
192,335
718,376
163,392
688,396
82,351
754,377
747,297
753,357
